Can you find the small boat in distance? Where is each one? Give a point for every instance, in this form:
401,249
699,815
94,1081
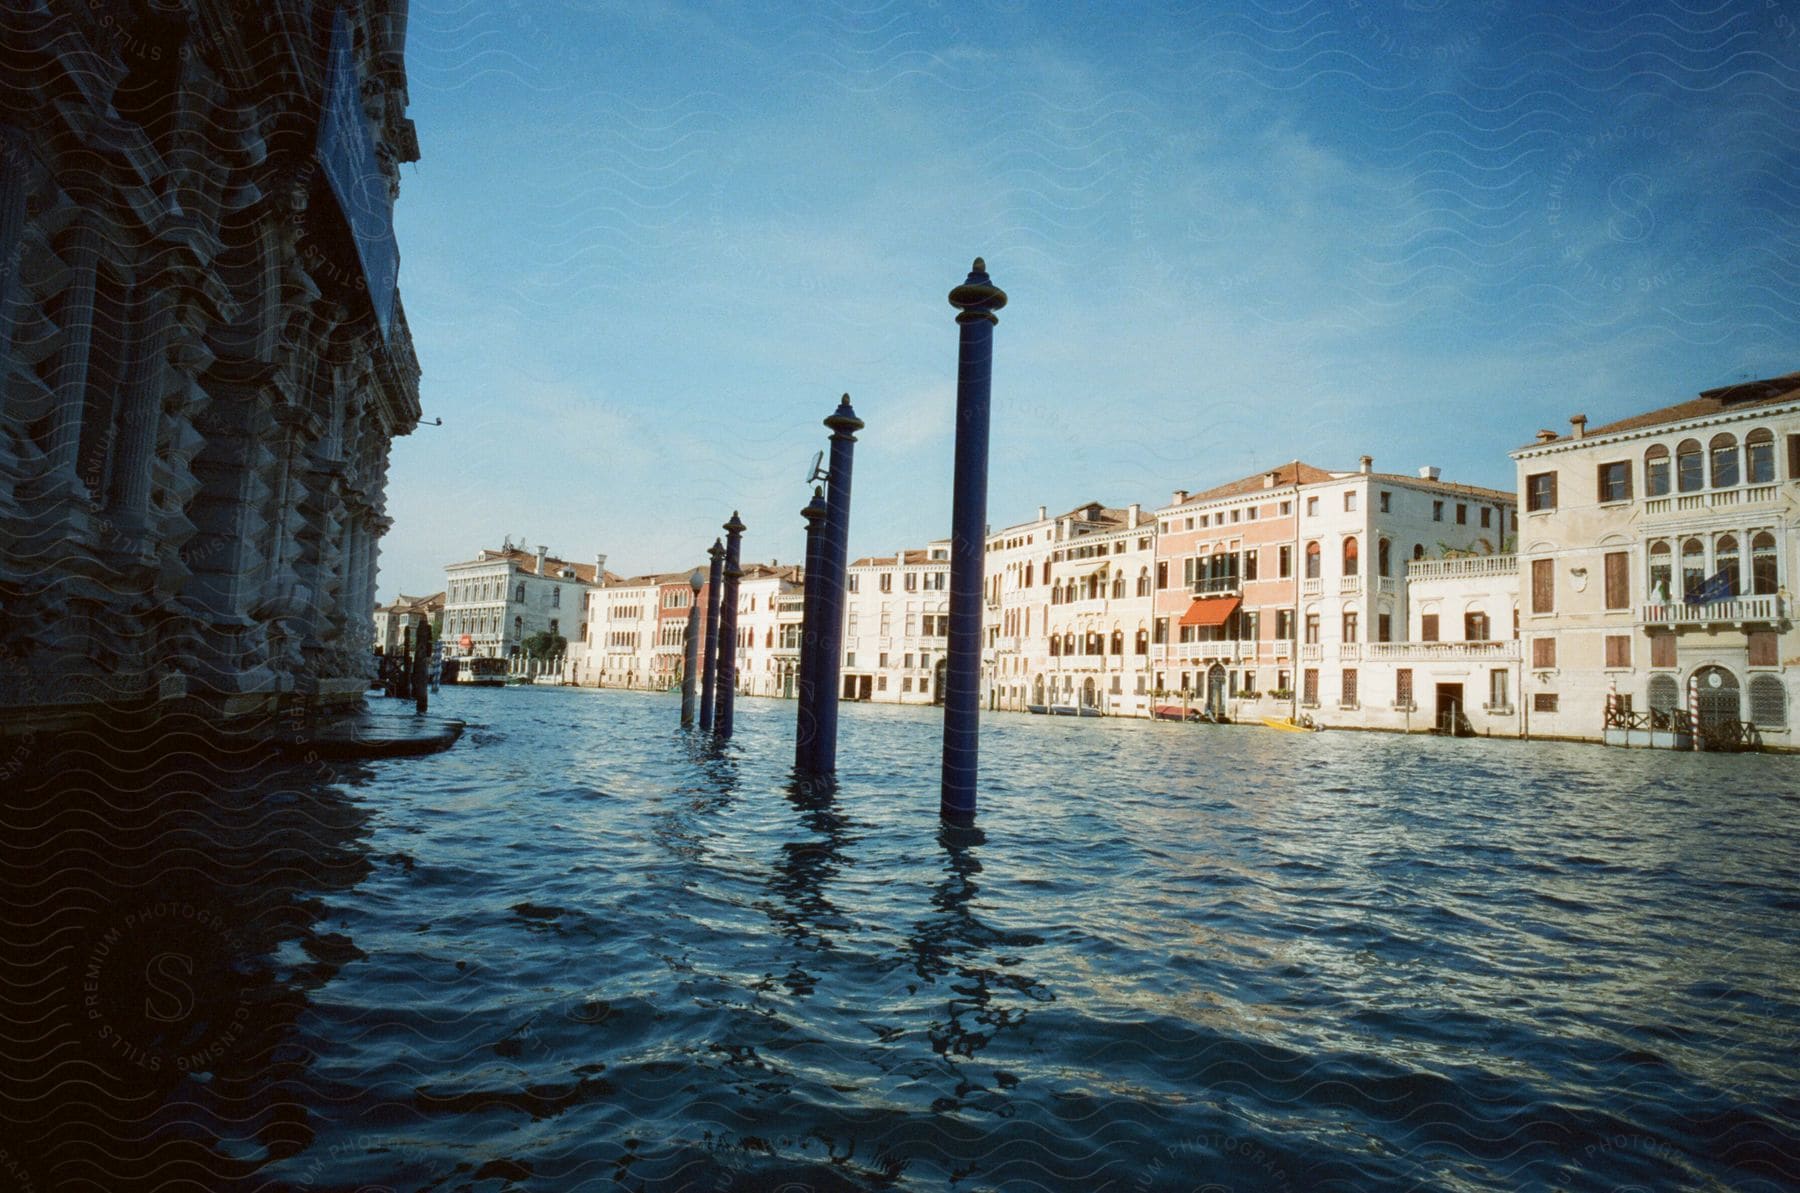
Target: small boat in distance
1062,710
484,673
1303,725
1174,712
1040,709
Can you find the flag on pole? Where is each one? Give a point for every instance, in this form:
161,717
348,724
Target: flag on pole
1717,587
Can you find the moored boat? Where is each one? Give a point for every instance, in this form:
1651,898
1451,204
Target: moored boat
1287,725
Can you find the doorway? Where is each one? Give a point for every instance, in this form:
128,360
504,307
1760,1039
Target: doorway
1449,712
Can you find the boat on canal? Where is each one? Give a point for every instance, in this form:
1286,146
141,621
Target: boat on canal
1289,725
483,673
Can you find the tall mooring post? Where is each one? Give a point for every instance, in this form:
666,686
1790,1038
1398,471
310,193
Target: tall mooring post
690,664
836,557
421,665
728,602
806,718
976,300
709,649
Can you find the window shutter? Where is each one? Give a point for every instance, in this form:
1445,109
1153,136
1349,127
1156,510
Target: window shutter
1428,627
1543,585
1764,651
1618,580
1662,650
1543,653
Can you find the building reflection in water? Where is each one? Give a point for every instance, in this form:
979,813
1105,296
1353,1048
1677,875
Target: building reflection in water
160,910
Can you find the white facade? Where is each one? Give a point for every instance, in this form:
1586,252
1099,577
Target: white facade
897,626
768,644
1015,613
498,599
1102,601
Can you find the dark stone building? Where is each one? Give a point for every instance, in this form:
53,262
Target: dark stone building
203,356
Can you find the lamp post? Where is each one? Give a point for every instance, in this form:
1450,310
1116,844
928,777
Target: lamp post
691,661
708,649
976,300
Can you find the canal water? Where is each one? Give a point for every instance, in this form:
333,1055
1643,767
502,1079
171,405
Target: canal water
581,951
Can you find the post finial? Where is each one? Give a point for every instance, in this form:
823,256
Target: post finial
978,297
980,266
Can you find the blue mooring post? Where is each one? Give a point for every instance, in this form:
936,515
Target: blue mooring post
835,551
709,648
976,300
690,663
728,602
806,719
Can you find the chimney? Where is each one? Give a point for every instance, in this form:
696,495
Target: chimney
1269,479
542,551
1179,497
1367,465
1430,472
1133,513
1546,435
1043,513
600,567
1577,425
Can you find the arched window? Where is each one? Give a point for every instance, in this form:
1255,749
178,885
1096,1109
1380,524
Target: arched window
1762,564
1095,644
518,625
1069,643
768,639
1118,642
1661,571
1350,556
1693,567
1724,461
1143,642
1768,701
1312,561
1725,559
1656,471
1418,550
520,594
1382,565
1056,594
1143,588
1055,646
1664,694
1118,586
1759,457
1690,467
1029,568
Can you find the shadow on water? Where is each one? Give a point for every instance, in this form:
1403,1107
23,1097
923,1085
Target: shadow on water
160,909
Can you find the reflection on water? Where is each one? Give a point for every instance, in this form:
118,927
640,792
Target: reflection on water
584,949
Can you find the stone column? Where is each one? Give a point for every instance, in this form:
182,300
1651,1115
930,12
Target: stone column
69,376
138,426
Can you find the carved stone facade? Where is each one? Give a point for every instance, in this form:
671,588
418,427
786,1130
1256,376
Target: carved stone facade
203,360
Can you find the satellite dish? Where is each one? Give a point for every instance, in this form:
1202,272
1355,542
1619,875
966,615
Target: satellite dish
817,472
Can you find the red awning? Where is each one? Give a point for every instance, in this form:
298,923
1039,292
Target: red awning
1210,611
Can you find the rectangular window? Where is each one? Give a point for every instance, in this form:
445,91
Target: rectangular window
1310,692
1350,625
1286,567
887,582
1543,653
1384,624
1543,586
1162,630
1347,694
1475,627
1428,627
1618,650
1487,517
1764,651
1250,564
1312,627
1312,507
1615,481
1462,513
1350,502
1437,511
1662,650
1543,702
1287,507
1403,692
1794,457
906,683
912,581
1618,580
1162,573
1540,491
1284,624
1497,697
1387,502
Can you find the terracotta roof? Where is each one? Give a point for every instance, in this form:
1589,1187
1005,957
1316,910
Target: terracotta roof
1400,478
412,604
1285,475
1769,391
783,571
528,560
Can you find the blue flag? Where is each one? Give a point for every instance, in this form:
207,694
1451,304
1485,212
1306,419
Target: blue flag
1718,587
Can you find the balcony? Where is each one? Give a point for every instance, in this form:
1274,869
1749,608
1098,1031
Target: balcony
1227,650
1349,585
1732,612
1468,566
1312,586
1216,586
1692,503
1443,652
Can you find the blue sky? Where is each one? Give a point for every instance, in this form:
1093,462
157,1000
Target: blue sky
648,245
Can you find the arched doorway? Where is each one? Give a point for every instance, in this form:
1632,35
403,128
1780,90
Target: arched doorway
1215,690
1087,693
1718,697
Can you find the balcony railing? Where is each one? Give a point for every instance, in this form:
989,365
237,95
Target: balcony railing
1741,609
1715,499
1472,565
1216,585
1431,652
1349,585
1230,650
1312,586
